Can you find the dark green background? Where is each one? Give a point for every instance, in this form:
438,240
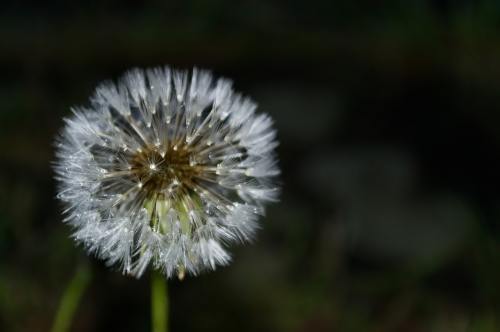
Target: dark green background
388,115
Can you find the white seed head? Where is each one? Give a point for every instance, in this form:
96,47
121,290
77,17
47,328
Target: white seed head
165,168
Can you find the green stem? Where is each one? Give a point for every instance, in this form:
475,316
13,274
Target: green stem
159,303
70,299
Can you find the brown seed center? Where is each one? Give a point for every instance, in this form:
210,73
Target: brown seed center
164,173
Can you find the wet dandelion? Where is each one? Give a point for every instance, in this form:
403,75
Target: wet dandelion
166,168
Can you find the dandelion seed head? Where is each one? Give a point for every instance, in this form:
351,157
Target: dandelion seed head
166,168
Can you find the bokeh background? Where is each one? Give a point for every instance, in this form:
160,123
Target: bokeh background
388,115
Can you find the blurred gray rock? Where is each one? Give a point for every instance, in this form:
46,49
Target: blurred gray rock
379,208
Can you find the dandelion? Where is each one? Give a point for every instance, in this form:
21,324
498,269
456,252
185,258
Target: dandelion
166,168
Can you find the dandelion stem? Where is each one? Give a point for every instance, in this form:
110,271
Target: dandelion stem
159,303
70,299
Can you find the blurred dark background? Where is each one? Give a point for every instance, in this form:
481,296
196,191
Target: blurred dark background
388,115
